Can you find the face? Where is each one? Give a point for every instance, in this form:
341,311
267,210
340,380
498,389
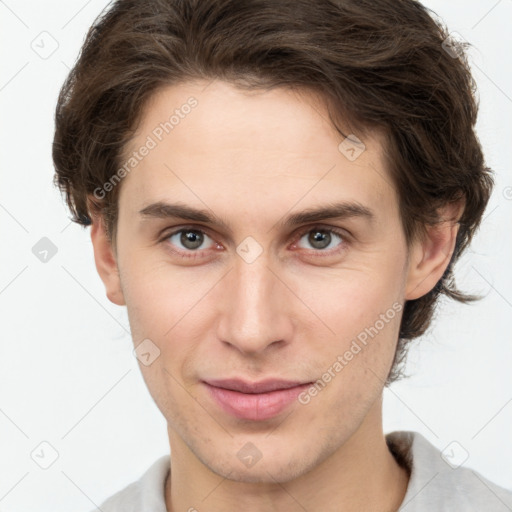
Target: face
250,290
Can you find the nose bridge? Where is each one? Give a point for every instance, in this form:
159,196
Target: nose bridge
253,315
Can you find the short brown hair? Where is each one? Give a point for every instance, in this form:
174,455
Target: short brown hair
381,64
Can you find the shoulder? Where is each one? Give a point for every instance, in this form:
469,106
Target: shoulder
438,482
145,495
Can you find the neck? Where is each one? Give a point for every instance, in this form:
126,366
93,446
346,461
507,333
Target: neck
362,474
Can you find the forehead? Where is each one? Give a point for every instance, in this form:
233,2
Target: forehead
215,142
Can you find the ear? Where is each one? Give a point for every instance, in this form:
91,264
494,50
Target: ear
430,256
105,260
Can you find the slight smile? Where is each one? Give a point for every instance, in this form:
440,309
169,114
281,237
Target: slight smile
256,401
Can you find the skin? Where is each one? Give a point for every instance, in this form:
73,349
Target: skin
253,158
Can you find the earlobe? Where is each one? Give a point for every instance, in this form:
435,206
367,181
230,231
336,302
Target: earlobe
430,256
106,263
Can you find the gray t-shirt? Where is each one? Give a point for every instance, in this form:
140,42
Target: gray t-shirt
436,483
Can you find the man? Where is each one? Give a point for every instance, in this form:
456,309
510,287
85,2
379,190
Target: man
277,191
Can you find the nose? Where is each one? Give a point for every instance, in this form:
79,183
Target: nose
255,308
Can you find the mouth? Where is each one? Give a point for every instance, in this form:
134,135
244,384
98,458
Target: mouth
255,401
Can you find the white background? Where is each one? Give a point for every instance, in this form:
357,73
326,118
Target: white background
67,373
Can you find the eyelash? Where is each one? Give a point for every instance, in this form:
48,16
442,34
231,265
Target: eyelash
196,254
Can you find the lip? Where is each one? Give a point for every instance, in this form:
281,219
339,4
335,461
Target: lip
256,401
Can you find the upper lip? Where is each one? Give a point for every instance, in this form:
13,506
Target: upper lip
263,386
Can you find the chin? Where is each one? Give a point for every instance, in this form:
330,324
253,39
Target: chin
263,472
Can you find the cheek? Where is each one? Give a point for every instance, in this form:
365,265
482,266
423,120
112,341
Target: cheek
168,306
362,307
157,295
160,305
352,299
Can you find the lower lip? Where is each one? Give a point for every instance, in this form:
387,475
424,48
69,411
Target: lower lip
257,406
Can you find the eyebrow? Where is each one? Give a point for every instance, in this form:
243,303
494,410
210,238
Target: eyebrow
340,210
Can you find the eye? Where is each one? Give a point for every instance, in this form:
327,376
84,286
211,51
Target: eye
189,240
323,239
